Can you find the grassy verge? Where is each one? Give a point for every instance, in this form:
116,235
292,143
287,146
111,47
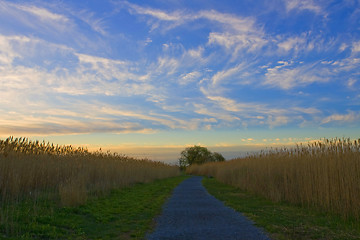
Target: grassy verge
127,213
282,220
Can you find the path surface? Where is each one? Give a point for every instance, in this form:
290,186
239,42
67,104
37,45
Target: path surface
192,213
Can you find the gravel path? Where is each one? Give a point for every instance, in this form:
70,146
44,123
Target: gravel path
192,213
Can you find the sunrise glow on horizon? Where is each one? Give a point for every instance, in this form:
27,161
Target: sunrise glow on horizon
148,78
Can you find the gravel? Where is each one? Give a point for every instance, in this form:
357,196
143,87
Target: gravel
192,213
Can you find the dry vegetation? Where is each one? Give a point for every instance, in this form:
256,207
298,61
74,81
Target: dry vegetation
324,175
32,169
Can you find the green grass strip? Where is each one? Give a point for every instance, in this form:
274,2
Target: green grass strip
126,213
282,220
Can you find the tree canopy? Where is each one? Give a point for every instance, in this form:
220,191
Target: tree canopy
198,155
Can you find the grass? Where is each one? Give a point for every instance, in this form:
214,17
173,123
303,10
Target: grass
323,175
125,213
283,220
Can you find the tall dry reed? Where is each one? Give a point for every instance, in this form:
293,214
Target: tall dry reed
324,174
29,168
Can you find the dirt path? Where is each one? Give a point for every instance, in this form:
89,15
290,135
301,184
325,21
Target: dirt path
192,213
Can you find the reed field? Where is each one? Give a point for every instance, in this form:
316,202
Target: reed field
33,170
324,175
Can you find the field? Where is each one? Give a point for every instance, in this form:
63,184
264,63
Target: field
42,174
53,192
323,175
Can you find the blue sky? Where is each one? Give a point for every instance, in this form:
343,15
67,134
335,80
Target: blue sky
143,76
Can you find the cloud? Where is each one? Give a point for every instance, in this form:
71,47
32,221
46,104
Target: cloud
347,64
247,113
236,23
35,17
277,121
356,47
97,24
351,82
301,5
58,23
43,14
343,47
7,51
254,114
237,42
309,110
68,127
342,118
231,22
226,103
294,43
58,122
159,14
86,74
162,119
225,74
159,18
222,115
187,78
167,65
98,62
236,32
287,75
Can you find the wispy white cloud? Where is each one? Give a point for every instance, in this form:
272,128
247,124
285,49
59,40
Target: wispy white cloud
96,23
189,77
156,13
287,75
346,64
235,42
167,65
141,116
88,74
168,20
351,83
294,43
228,73
342,47
256,114
216,114
350,117
237,32
38,18
356,47
26,125
277,121
226,103
306,110
231,22
7,51
43,14
300,5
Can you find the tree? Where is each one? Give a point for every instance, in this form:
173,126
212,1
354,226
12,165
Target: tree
198,155
218,157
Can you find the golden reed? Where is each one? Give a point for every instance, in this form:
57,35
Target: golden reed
29,168
323,174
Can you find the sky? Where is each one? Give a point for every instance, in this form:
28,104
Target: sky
149,78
